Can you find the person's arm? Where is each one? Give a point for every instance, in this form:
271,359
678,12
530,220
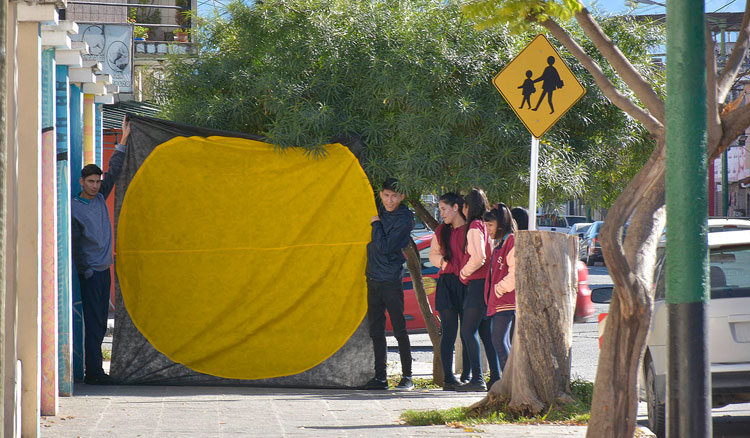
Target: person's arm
475,249
78,258
116,161
394,241
508,283
436,254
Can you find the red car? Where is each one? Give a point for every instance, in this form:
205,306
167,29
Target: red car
414,321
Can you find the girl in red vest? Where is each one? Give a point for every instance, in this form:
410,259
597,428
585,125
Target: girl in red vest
446,253
500,285
473,272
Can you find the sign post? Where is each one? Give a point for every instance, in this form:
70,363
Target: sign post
538,76
532,183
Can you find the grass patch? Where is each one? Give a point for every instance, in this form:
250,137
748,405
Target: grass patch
418,383
427,418
576,413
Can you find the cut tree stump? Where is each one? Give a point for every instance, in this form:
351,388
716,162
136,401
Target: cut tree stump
537,374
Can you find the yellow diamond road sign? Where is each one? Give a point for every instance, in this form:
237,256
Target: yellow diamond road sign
539,86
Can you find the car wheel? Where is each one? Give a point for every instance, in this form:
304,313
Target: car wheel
656,407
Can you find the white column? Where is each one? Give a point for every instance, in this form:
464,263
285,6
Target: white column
28,229
28,205
10,355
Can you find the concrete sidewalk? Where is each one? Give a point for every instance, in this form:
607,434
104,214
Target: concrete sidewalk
179,411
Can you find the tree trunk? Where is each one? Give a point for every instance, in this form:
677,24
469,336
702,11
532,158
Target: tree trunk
415,269
537,374
615,401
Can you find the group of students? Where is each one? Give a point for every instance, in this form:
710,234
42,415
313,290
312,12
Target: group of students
474,249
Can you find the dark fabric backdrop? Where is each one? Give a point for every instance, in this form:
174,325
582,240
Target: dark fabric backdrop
134,359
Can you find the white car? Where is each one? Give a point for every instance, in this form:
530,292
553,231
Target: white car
728,327
554,222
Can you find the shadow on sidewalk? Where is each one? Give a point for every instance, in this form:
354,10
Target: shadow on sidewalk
276,393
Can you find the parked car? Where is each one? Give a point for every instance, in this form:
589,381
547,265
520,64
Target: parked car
727,224
579,229
552,222
557,222
728,327
413,315
589,248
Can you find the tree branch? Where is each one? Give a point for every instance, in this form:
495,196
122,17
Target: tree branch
621,64
423,214
734,124
729,73
654,126
713,118
649,178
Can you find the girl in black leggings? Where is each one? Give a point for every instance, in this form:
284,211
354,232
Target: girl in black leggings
473,272
500,287
445,253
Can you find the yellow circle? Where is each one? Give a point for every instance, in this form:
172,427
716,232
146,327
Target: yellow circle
241,261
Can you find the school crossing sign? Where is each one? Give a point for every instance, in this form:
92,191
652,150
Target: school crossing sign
538,86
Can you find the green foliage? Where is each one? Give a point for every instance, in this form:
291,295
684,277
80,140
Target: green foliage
410,80
497,412
520,15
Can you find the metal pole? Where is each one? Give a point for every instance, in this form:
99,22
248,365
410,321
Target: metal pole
688,379
3,202
725,183
532,183
724,160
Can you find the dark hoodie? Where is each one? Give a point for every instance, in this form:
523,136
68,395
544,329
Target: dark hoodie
390,235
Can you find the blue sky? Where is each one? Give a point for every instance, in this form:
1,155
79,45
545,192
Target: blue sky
618,6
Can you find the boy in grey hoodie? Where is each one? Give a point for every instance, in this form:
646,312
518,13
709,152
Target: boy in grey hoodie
92,254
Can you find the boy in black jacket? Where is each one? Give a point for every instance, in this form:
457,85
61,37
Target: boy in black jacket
391,230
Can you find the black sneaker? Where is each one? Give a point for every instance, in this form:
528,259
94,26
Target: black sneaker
451,386
405,384
375,384
99,379
472,387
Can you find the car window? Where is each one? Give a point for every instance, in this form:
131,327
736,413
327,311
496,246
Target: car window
730,272
576,229
593,229
551,220
575,219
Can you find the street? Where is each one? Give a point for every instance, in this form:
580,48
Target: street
729,421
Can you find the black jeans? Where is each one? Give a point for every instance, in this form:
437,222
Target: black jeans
382,296
95,302
501,324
